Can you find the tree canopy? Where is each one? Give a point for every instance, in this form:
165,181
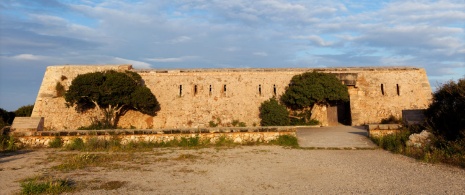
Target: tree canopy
24,111
313,87
113,93
446,114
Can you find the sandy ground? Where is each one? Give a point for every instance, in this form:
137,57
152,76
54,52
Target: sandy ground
240,170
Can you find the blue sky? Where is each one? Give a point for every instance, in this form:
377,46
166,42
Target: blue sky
225,34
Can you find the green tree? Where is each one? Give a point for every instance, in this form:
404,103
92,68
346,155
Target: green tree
446,114
112,93
311,88
24,111
6,118
273,114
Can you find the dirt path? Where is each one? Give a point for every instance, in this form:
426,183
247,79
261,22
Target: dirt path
244,170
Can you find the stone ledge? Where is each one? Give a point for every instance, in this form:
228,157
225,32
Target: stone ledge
384,127
153,132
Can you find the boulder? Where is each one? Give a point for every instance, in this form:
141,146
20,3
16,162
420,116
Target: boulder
419,140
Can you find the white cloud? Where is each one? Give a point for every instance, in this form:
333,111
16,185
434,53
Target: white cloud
263,54
29,57
135,63
180,39
314,39
168,60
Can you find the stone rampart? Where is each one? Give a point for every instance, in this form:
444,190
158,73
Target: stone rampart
192,98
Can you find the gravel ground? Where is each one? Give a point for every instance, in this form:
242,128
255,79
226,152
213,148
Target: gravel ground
244,170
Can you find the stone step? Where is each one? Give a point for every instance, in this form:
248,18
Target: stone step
28,124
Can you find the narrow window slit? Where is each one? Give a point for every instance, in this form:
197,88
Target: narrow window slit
259,89
210,92
195,89
398,89
180,90
274,90
382,89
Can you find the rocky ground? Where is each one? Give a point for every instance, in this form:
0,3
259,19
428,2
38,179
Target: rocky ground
238,170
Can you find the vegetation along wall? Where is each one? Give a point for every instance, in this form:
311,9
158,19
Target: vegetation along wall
196,97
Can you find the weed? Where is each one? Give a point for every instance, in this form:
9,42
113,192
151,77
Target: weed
57,142
212,124
41,185
187,157
76,144
391,120
224,141
286,140
235,123
112,185
8,143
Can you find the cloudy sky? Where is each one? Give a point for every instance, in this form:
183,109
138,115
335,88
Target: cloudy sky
225,34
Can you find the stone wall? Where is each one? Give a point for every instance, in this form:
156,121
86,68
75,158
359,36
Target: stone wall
237,135
192,98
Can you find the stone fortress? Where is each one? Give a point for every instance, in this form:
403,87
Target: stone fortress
191,98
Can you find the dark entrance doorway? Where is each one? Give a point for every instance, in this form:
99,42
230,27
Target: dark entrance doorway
339,113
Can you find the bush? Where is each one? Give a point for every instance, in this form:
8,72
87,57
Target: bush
212,124
56,143
8,143
6,118
446,113
76,144
394,142
391,120
273,114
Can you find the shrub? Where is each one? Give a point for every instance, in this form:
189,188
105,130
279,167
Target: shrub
273,114
212,124
6,118
76,144
391,120
394,142
57,142
8,143
446,112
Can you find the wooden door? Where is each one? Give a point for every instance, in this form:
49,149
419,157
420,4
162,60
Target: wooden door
332,115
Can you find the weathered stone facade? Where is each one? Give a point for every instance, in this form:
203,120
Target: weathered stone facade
194,97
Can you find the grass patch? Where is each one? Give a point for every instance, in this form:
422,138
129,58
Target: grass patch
81,161
8,143
437,151
190,157
45,185
286,140
57,142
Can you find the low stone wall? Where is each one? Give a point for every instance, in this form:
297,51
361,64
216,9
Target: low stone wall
380,130
238,135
